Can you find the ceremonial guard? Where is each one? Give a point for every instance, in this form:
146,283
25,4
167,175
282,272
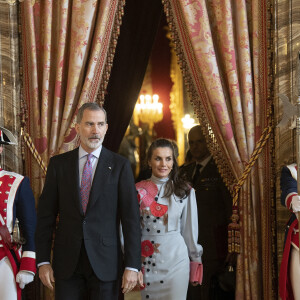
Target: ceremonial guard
290,267
17,229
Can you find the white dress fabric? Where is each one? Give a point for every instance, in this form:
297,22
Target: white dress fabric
169,240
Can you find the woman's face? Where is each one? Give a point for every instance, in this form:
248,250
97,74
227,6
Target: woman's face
161,162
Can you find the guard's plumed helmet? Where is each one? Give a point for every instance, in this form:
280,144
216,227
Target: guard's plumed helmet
6,137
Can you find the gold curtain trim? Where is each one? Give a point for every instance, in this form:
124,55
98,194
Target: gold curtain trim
28,141
266,134
226,172
224,168
110,56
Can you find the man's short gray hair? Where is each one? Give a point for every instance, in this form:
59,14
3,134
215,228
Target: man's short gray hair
89,106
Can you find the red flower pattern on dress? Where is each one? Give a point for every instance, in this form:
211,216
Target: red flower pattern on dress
157,209
147,190
147,248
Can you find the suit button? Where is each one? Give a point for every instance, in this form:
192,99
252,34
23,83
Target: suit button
84,222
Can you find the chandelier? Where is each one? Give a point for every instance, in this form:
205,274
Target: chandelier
149,110
187,122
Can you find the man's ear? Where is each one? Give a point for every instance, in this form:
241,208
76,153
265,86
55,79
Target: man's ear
77,128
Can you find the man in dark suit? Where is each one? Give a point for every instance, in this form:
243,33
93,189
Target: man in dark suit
214,211
91,190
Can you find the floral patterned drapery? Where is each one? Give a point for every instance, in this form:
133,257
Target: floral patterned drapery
222,49
68,49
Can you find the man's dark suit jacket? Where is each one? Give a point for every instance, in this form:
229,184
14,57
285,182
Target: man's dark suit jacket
113,198
214,210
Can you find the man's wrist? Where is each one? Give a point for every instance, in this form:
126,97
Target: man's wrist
43,263
132,269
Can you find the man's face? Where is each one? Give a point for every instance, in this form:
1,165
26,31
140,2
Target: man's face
197,144
91,129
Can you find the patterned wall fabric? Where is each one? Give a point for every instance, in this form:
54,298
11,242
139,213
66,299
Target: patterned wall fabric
11,159
286,48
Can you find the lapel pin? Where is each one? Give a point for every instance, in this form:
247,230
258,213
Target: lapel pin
109,168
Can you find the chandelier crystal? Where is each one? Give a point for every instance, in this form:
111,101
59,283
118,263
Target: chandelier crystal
149,109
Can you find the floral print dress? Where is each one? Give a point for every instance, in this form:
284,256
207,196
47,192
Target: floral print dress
169,240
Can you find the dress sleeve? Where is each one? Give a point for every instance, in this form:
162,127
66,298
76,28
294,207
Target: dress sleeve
189,227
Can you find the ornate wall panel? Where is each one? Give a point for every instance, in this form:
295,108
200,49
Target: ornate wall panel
10,83
286,47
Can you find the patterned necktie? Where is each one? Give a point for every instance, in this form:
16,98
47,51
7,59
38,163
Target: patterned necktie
196,173
86,182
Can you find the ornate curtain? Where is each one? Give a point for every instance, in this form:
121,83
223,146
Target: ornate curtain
68,49
222,48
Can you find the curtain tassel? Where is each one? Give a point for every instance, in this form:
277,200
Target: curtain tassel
234,232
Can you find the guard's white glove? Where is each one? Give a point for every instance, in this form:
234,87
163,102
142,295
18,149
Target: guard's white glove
23,278
295,204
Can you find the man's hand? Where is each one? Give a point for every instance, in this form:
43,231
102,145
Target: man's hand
46,275
129,280
140,279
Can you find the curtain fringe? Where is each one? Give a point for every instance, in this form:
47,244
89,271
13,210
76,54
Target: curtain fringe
212,143
110,57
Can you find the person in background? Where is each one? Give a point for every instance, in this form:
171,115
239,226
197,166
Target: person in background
171,255
214,210
17,213
92,190
188,158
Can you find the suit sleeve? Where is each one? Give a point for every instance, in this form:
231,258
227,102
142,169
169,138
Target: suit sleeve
46,215
130,218
288,187
25,212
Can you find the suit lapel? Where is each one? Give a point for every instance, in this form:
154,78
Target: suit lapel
102,173
73,170
207,170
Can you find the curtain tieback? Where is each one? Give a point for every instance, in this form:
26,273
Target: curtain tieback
234,226
32,148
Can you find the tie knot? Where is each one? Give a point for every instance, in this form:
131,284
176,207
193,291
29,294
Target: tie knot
90,156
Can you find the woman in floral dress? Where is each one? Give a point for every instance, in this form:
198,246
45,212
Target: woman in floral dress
169,221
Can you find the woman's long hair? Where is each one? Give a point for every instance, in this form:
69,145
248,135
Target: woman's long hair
176,183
